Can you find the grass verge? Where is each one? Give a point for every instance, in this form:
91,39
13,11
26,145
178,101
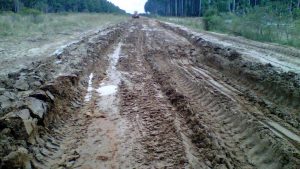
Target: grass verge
22,26
280,32
194,23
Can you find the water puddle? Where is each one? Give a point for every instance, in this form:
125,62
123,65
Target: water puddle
284,131
89,89
100,148
107,90
109,86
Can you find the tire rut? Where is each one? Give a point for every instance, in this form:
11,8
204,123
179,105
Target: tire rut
241,138
159,144
158,106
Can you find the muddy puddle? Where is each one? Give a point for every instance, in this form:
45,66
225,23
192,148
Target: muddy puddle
107,90
283,132
99,148
109,86
89,89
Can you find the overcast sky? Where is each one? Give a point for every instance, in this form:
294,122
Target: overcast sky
130,5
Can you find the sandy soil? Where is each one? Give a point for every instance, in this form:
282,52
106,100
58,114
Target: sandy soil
146,94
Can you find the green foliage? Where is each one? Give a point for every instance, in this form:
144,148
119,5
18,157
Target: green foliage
210,19
3,28
211,12
257,25
274,21
30,11
296,13
200,7
33,6
212,22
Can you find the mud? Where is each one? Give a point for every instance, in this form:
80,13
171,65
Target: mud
270,86
54,90
146,94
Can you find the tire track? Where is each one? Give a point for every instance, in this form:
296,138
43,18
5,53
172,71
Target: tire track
235,124
158,142
169,111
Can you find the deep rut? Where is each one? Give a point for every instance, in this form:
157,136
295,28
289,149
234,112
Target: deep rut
158,143
236,128
158,107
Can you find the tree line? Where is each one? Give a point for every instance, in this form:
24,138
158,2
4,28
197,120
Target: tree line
54,6
200,7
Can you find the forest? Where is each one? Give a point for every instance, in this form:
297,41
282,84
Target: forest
55,6
200,7
263,20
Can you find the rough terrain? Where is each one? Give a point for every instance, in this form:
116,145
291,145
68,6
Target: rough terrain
147,94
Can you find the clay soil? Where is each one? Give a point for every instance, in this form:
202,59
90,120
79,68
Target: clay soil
147,94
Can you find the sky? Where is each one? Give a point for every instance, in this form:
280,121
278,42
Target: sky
130,5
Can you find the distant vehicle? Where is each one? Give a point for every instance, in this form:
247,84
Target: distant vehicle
135,15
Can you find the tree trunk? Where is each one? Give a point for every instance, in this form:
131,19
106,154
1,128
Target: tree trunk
233,6
185,7
169,6
182,7
299,4
175,7
16,6
192,8
200,7
291,7
47,9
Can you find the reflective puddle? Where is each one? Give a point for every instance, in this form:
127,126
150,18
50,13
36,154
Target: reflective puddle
284,131
109,85
107,90
89,89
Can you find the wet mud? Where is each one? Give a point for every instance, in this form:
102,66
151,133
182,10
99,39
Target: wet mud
146,94
269,85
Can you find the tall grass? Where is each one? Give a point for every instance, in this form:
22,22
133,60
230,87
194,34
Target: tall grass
193,23
18,26
253,26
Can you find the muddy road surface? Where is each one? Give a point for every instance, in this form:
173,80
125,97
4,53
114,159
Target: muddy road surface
147,94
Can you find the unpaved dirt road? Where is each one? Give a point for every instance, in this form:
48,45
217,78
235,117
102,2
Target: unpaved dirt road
153,95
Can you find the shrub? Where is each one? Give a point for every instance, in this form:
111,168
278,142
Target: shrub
30,11
210,12
296,14
4,28
36,19
213,22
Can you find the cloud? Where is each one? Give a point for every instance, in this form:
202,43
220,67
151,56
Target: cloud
130,5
